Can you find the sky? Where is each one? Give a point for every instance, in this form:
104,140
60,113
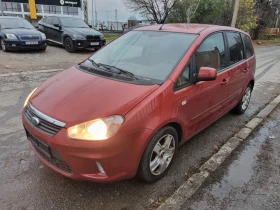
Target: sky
110,5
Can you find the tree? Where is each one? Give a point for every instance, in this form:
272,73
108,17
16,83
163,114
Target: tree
247,18
157,10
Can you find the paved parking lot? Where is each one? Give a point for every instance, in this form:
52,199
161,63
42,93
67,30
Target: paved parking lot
27,184
55,57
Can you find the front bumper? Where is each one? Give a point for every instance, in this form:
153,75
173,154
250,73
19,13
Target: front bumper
21,45
118,156
83,44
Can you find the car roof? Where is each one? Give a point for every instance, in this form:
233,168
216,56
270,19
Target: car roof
186,28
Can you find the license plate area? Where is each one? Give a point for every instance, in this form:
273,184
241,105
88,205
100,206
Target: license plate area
94,43
39,145
31,43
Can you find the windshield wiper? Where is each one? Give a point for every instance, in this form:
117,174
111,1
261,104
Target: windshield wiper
118,70
94,63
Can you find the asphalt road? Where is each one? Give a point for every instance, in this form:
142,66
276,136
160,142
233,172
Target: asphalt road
250,178
27,184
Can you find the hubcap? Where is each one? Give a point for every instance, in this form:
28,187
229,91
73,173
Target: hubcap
3,45
246,98
162,154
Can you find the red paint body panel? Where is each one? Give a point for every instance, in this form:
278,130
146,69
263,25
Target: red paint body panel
75,97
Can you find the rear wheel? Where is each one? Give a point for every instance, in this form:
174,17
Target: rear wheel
159,154
3,45
69,45
245,101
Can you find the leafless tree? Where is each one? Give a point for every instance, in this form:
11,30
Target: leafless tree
157,10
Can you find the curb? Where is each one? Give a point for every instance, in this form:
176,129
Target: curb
30,72
187,189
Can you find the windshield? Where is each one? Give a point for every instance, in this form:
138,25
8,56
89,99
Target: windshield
15,23
148,54
73,23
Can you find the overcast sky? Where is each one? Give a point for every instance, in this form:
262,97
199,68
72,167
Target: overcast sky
109,5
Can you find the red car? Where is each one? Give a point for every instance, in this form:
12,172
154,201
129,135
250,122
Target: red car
125,110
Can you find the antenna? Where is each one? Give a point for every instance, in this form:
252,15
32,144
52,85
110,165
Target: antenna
162,25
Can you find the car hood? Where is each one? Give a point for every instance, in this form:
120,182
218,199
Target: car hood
74,97
83,31
21,31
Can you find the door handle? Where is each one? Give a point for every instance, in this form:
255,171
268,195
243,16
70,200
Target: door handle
224,82
245,70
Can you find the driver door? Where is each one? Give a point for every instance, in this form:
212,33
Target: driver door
200,104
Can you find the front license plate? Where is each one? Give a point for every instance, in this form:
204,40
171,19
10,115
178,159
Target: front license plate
31,43
94,43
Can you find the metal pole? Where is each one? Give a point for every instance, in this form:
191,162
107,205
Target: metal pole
1,5
235,12
107,19
95,14
92,23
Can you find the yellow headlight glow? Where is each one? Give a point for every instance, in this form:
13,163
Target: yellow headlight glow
28,97
100,129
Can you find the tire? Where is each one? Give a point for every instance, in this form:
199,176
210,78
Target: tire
156,159
69,45
3,45
243,104
44,49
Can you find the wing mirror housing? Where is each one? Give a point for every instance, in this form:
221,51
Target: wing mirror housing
57,25
207,74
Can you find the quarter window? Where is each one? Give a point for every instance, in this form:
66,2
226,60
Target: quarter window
184,78
236,48
211,53
248,46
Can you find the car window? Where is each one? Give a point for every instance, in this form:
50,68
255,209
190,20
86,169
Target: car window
184,78
49,20
55,21
211,53
152,55
248,46
236,48
8,23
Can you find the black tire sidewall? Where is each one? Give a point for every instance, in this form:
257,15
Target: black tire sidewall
238,109
144,172
4,44
73,49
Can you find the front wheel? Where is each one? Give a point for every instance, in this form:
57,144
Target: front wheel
158,156
245,101
69,45
3,45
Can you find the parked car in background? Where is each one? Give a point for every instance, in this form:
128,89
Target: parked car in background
72,33
126,110
18,34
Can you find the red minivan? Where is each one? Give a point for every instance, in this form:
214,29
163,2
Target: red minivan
125,110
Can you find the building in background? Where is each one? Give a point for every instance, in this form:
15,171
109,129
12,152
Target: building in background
44,8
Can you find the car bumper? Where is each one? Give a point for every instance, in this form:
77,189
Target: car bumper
21,45
118,156
83,44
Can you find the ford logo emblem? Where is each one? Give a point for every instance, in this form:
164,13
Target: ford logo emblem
35,121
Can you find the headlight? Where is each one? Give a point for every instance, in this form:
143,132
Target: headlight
100,129
78,36
11,36
43,36
27,99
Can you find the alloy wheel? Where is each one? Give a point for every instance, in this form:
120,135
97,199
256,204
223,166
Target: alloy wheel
3,46
162,154
68,44
246,98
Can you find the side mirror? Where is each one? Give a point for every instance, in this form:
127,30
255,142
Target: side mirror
57,25
207,74
90,26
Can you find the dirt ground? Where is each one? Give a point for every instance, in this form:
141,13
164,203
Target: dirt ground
55,57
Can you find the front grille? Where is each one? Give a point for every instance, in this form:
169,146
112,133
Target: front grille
30,38
43,125
45,151
93,38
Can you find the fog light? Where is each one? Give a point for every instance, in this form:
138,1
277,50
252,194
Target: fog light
100,168
79,43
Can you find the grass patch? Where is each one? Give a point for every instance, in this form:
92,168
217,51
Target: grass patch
110,37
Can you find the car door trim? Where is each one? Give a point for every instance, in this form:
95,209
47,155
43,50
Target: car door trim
50,40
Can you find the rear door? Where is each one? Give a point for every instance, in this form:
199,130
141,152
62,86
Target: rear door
47,25
238,71
199,104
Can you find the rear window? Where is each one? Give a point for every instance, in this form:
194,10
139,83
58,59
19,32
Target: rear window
248,46
236,47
